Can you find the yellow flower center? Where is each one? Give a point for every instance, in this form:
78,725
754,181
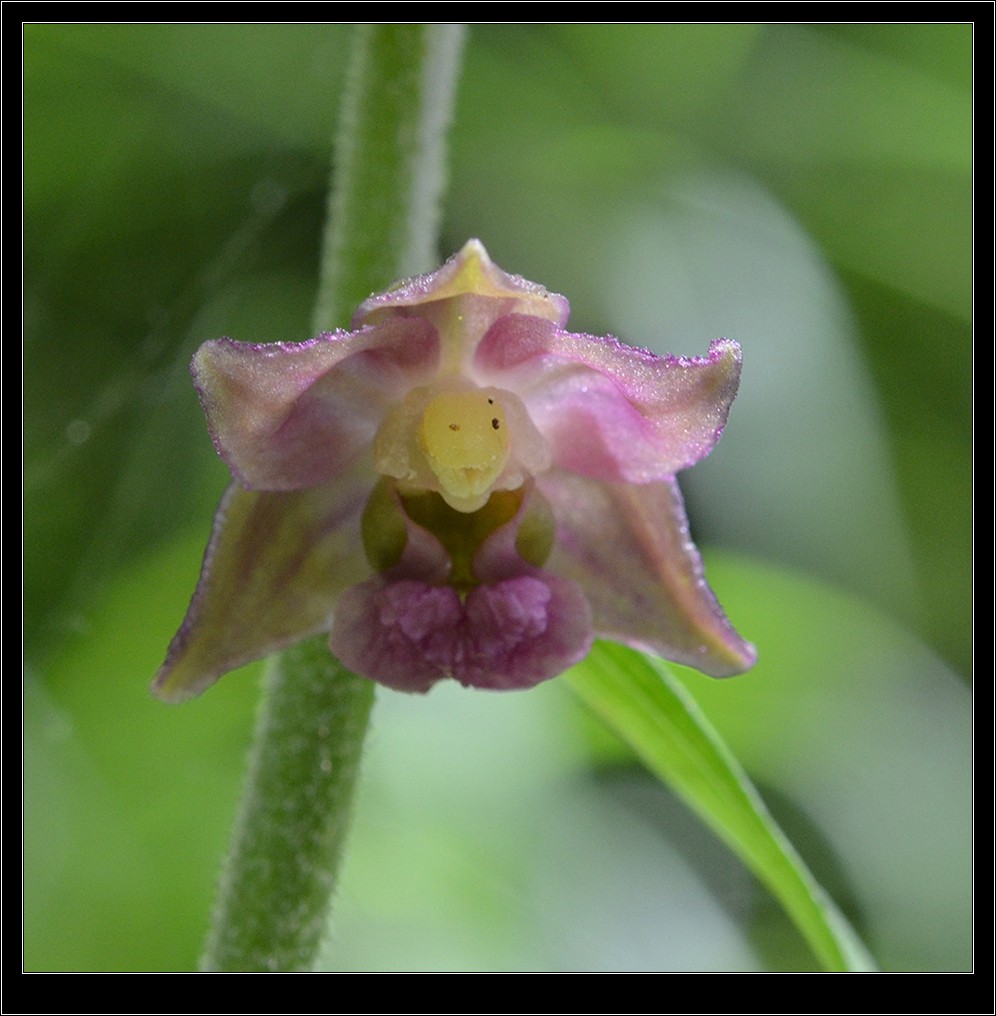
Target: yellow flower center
464,436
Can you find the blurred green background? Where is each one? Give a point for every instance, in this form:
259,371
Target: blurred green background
805,189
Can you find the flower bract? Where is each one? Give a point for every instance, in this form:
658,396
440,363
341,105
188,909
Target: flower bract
457,487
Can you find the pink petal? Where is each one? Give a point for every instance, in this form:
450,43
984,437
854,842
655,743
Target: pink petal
289,415
611,411
272,571
511,634
397,633
523,631
628,547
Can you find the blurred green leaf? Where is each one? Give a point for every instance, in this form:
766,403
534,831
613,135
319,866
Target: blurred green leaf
127,802
653,713
869,733
158,212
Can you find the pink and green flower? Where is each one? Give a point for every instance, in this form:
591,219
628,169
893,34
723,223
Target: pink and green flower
458,487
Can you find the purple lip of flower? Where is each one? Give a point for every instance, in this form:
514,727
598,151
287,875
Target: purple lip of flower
456,488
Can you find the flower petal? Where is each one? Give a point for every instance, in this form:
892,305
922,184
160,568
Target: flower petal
272,571
611,411
523,631
289,415
471,279
399,633
629,548
511,634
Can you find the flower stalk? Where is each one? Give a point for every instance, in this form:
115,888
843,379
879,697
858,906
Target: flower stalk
288,840
390,168
280,874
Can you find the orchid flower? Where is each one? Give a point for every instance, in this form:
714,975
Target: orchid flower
458,487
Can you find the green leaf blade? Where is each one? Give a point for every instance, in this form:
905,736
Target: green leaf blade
645,705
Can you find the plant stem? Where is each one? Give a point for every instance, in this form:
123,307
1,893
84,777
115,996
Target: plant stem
389,168
281,871
289,835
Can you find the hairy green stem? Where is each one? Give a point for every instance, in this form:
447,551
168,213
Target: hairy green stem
389,167
280,874
289,835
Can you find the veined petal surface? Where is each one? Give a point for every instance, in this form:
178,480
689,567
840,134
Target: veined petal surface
609,410
285,416
629,548
273,570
